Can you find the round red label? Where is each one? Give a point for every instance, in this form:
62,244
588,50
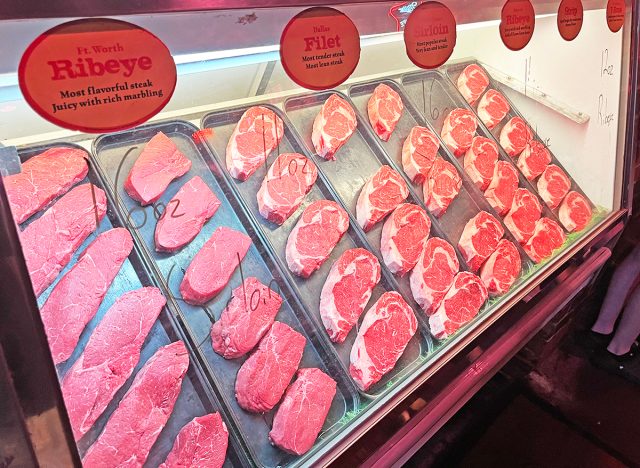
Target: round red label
517,23
615,14
97,75
320,48
430,35
570,18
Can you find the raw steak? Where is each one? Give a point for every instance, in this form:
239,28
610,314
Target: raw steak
112,352
385,109
547,237
442,187
575,212
143,411
333,126
492,108
382,338
283,189
462,302
246,319
480,161
159,163
433,274
49,242
534,159
514,136
403,237
501,269
553,186
480,239
76,298
201,443
263,378
458,130
502,188
301,415
43,178
419,151
525,211
379,196
212,267
472,82
184,215
317,232
347,291
256,135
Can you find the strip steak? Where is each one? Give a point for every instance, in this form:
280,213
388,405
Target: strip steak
553,186
442,187
502,188
419,151
384,109
501,269
404,235
547,237
479,239
379,196
472,82
333,126
433,274
514,136
575,212
492,108
525,211
458,130
480,161
534,159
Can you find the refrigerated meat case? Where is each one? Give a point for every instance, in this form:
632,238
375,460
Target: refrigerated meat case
578,96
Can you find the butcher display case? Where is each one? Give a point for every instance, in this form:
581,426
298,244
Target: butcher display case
525,188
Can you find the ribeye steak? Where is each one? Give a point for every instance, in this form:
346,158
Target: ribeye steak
492,108
534,159
525,211
547,237
404,235
575,212
419,151
379,196
458,130
514,136
501,269
472,82
441,187
553,186
333,126
502,188
384,109
480,161
480,239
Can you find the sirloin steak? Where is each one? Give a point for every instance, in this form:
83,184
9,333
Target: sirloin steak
263,378
501,269
404,235
246,319
575,212
472,82
112,352
159,163
502,188
419,151
143,411
304,409
480,161
514,136
433,274
553,186
441,187
76,298
384,109
379,196
387,328
43,178
319,229
333,126
458,130
492,108
525,211
257,133
534,159
347,291
547,237
479,239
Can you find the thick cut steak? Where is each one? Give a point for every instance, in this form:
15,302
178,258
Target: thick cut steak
480,239
76,298
112,352
184,215
441,187
433,274
201,443
333,126
553,186
385,109
246,319
319,229
159,163
43,178
283,189
387,328
403,237
501,269
502,188
472,82
263,378
547,237
575,212
525,211
257,134
419,151
458,130
48,243
143,411
347,291
492,108
480,161
379,196
212,267
514,136
462,302
301,415
534,159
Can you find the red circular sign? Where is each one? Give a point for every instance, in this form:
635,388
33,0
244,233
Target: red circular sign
430,35
97,75
615,14
320,48
570,18
517,23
